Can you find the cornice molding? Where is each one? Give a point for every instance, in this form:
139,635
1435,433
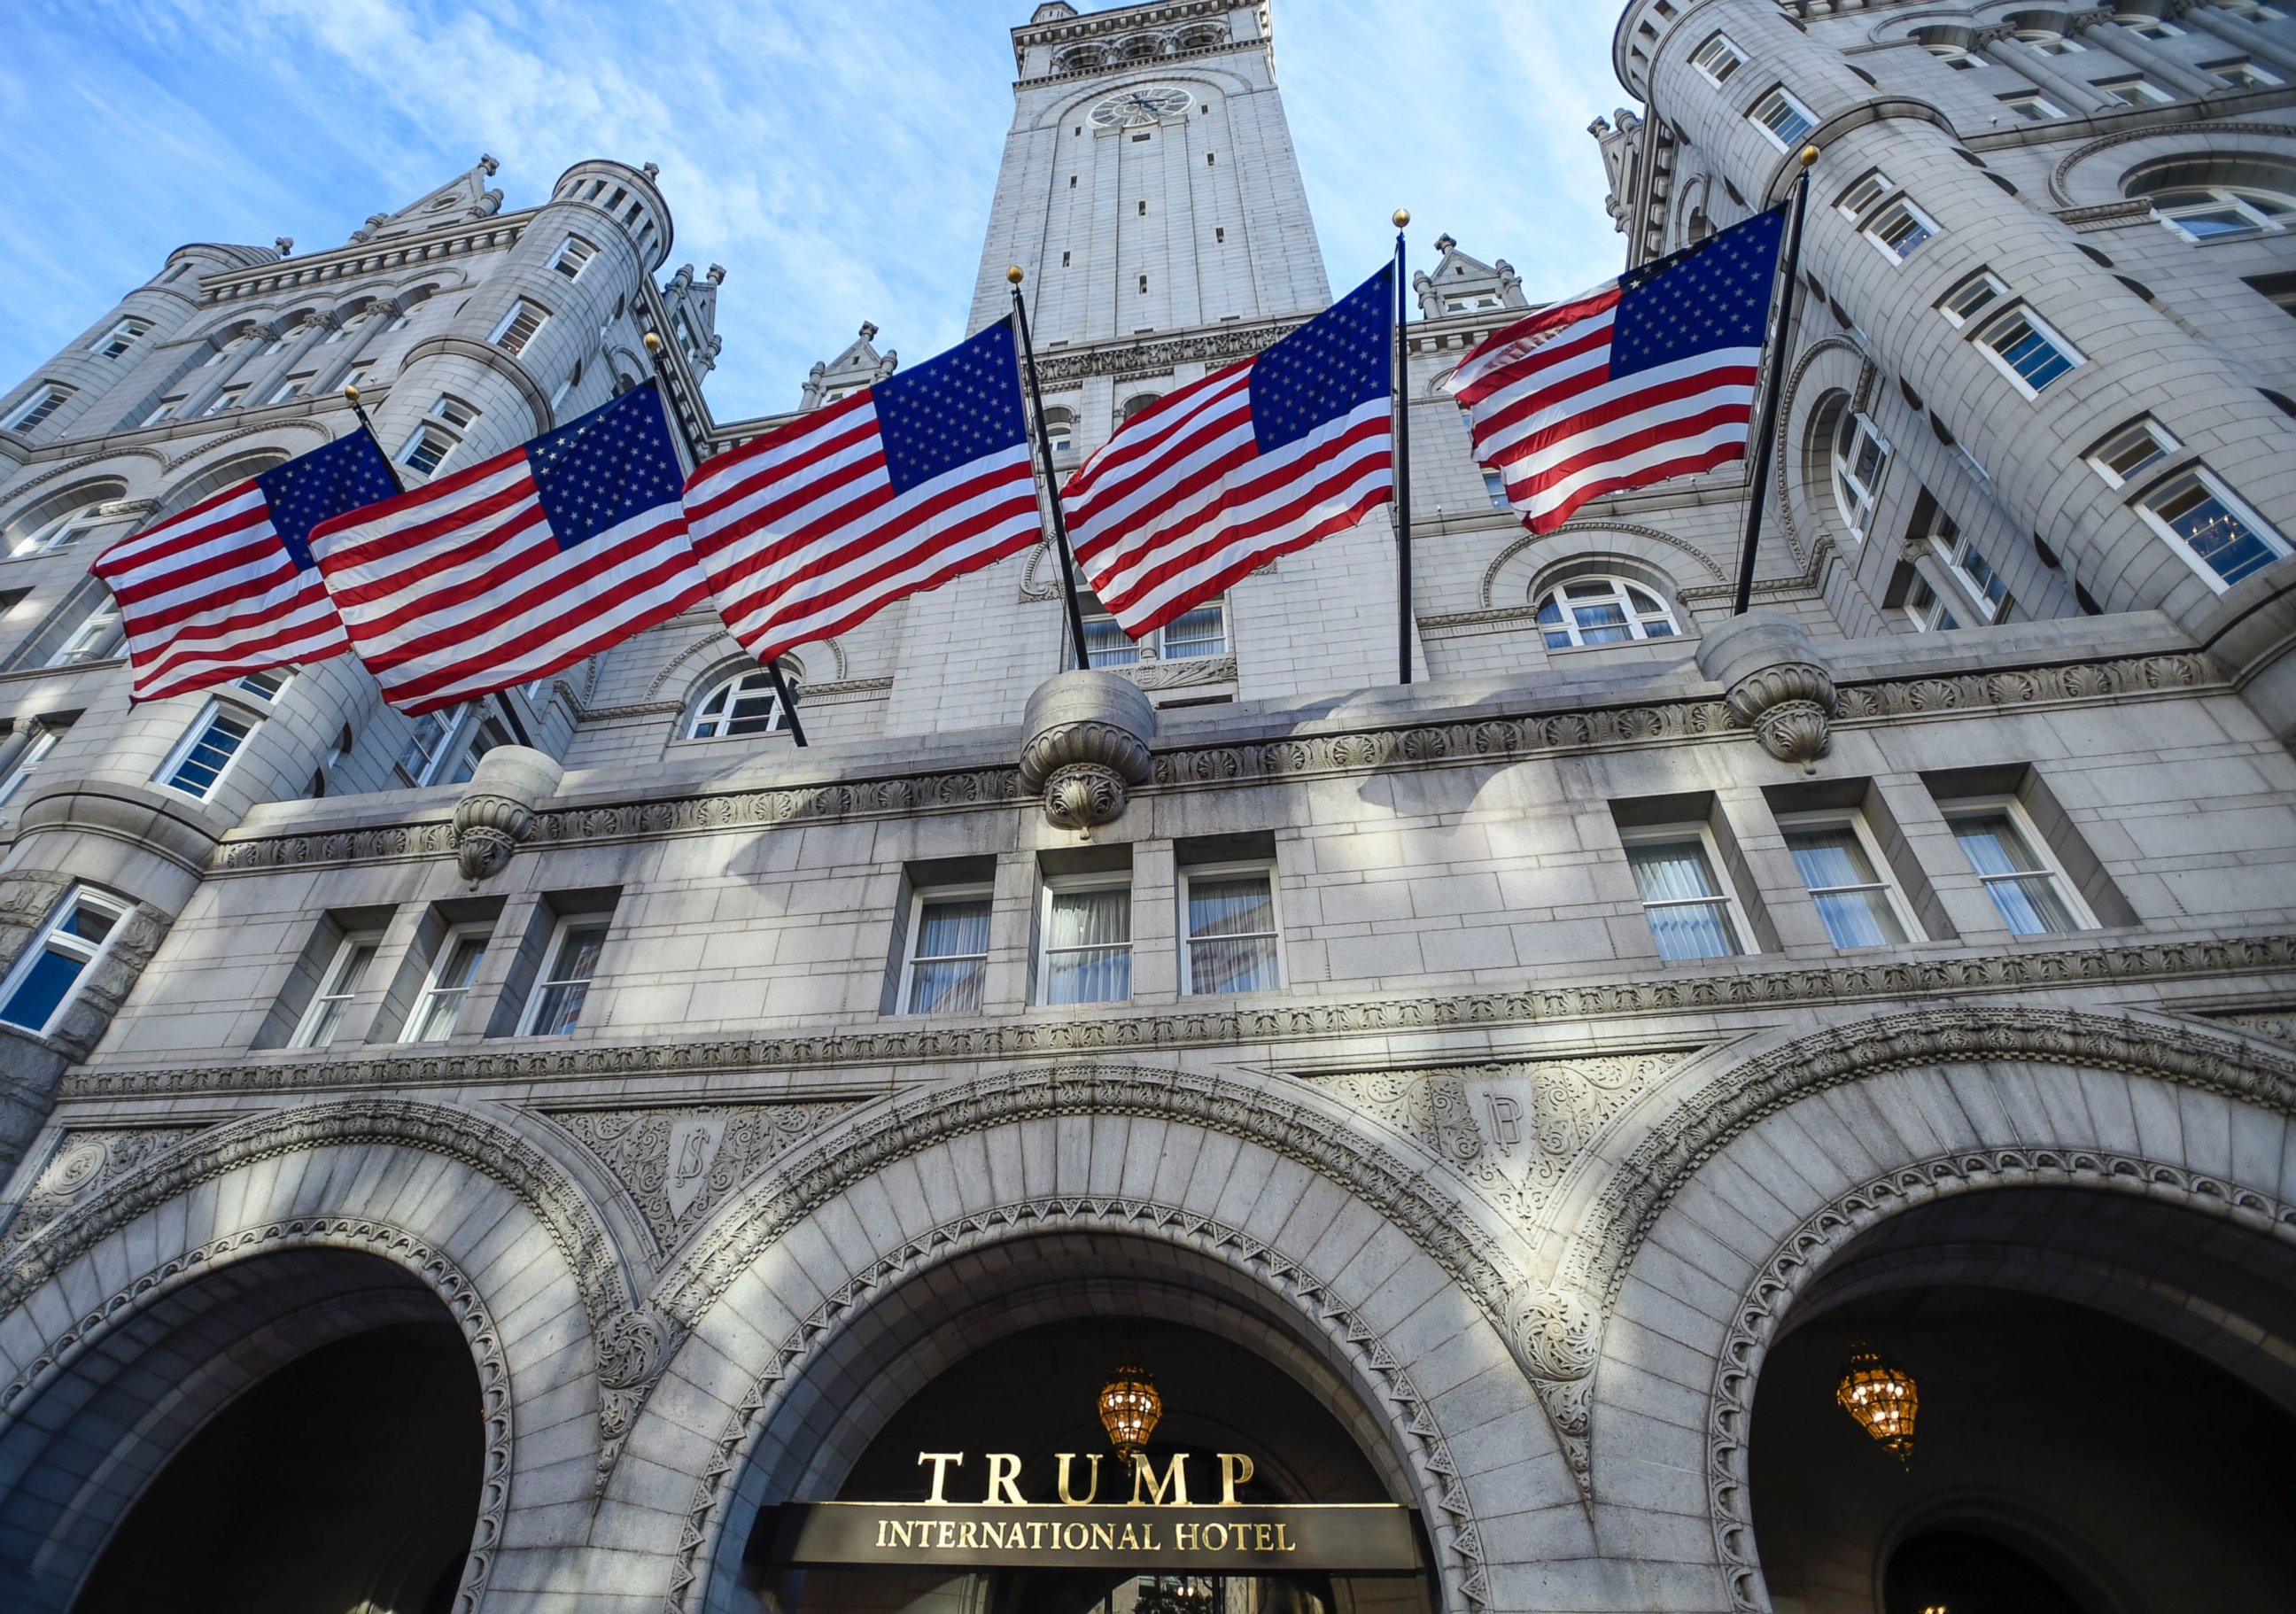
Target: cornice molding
1210,1026
2062,196
1215,347
499,231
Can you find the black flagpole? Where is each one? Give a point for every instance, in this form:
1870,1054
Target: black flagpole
1052,485
782,692
1402,466
1788,300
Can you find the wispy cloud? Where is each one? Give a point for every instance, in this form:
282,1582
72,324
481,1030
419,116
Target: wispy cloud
838,161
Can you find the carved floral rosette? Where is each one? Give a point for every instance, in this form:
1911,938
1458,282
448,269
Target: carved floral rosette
489,830
1790,708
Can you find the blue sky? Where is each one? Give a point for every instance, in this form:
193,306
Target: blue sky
837,160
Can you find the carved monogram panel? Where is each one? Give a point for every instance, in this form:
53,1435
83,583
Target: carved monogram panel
679,1164
83,1165
1513,1129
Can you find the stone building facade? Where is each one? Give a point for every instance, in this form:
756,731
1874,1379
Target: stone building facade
497,1162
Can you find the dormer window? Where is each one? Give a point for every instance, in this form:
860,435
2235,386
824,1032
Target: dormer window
121,337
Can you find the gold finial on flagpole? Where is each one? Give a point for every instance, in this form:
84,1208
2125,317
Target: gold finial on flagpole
1014,274
653,343
351,396
1402,216
1809,155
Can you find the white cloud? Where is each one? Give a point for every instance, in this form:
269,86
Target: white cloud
838,160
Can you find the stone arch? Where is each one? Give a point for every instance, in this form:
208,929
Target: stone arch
94,1378
725,653
2075,182
770,1435
98,489
1794,498
1508,579
218,475
310,428
1196,75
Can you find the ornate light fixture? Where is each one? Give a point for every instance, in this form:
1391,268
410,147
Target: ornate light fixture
1129,1408
1881,1397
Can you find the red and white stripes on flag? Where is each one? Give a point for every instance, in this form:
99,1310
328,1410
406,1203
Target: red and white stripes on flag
1649,377
227,587
520,565
819,524
1253,462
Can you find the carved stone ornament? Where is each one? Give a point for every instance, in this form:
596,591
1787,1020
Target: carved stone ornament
1789,709
496,817
1089,734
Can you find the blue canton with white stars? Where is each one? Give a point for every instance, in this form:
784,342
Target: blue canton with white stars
1330,366
614,462
1713,295
347,474
951,410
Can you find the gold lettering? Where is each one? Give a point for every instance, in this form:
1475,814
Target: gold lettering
1183,1538
1075,1537
940,1462
903,1533
1131,1543
1263,1537
1210,1530
1103,1538
948,1532
1175,1480
1036,1533
1004,1481
1235,1470
1070,1497
968,1535
881,1523
1147,1536
1282,1542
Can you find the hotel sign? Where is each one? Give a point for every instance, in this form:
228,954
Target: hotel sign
1161,1529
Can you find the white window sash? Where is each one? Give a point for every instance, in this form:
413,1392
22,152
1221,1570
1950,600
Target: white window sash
434,989
545,981
2066,892
332,988
910,958
53,934
1885,878
1192,872
1072,885
1725,890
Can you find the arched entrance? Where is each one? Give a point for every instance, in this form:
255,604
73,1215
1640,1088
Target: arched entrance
999,1353
298,1430
2103,1422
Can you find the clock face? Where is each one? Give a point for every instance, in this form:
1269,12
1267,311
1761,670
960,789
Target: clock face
1145,104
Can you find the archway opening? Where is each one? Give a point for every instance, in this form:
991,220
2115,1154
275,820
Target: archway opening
2098,1429
303,1430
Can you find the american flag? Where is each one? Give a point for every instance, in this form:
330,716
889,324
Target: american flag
1649,377
520,565
228,587
819,524
1251,463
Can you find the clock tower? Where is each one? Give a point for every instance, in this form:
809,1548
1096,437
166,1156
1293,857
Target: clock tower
1149,184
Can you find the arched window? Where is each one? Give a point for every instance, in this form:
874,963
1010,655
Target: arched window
1860,455
2050,41
1135,405
1060,433
742,704
214,479
2219,198
61,520
1604,610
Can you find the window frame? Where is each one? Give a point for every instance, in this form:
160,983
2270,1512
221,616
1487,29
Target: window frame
2262,78
1620,584
418,1013
1936,617
1867,190
1790,101
2162,486
1915,218
1842,462
124,334
519,306
1984,336
729,683
2148,93
1885,877
1988,608
1717,77
588,252
2258,221
1726,889
1959,317
37,410
2009,806
2031,106
307,1024
919,899
529,1016
1189,873
2164,445
104,613
215,712
1057,885
19,973
62,531
35,750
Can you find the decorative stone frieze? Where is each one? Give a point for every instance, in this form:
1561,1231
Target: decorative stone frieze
1779,686
84,1164
496,816
1088,737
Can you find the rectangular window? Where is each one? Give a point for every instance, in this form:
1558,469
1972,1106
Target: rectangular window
205,753
948,951
2239,73
1718,58
1495,489
1690,915
230,397
1924,610
2148,27
430,741
357,375
1900,229
574,254
1105,644
427,450
452,411
345,971
1862,459
28,758
1085,951
2136,90
47,978
2027,888
517,327
1979,292
1985,584
37,407
1785,121
1842,870
1863,195
1201,632
2203,521
572,963
1232,942
168,407
98,636
2032,106
294,386
2129,450
2027,351
121,337
461,951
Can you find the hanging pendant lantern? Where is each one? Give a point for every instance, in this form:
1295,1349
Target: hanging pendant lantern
1129,1408
1883,1399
